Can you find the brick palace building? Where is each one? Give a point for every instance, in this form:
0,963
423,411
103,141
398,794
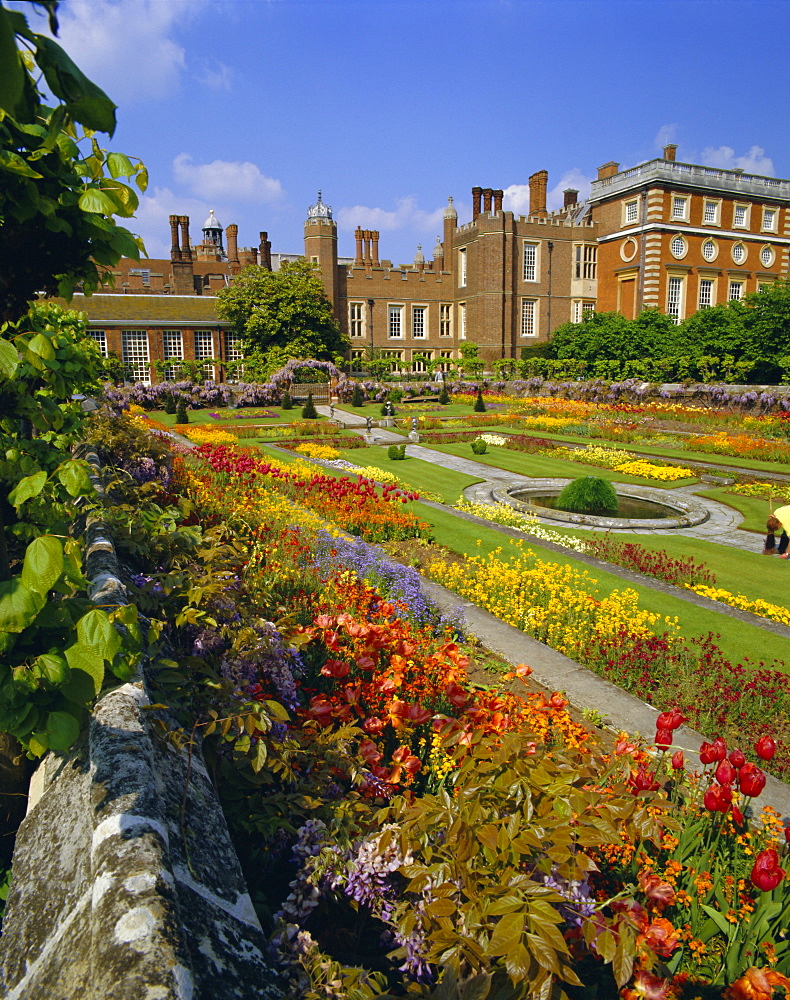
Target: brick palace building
674,236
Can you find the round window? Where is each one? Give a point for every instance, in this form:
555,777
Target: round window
767,256
709,250
678,247
628,249
739,253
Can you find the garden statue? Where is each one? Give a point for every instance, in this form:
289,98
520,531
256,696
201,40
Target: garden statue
368,424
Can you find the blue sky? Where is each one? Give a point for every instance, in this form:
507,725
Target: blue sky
389,106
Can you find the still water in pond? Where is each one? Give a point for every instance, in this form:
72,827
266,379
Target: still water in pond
628,507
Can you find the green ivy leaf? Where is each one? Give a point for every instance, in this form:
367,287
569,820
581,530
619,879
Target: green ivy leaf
26,488
52,668
14,163
43,564
100,202
74,476
119,165
61,731
18,605
41,346
9,359
87,674
96,633
85,102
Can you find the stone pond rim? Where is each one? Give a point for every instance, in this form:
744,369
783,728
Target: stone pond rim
682,512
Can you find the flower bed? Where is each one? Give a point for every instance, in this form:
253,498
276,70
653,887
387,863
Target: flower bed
403,828
639,651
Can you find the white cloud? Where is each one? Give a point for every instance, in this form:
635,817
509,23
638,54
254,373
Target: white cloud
516,196
126,46
754,162
222,179
406,215
665,135
215,75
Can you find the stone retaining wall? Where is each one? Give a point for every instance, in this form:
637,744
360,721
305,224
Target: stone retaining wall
125,883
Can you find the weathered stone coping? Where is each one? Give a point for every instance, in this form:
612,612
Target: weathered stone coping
125,881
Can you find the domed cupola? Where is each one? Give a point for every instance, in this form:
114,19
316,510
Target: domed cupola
212,231
320,210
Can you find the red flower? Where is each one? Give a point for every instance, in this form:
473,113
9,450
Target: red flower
373,725
737,758
663,738
335,668
712,752
766,873
751,779
718,798
787,834
678,760
765,747
369,752
643,781
670,720
726,773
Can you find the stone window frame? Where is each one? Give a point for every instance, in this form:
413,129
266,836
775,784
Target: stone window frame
395,311
529,318
356,319
676,304
419,308
530,261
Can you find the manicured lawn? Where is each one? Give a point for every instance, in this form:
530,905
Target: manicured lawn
204,417
737,639
421,476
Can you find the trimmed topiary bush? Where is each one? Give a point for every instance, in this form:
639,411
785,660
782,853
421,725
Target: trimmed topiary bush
479,447
286,402
589,495
396,453
444,395
309,411
170,403
181,412
358,398
480,406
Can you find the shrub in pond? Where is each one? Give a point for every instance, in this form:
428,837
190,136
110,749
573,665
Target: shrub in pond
588,495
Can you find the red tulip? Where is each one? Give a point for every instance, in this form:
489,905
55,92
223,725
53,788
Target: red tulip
670,720
787,834
765,747
663,738
678,760
766,873
643,781
751,779
726,773
718,798
709,753
737,758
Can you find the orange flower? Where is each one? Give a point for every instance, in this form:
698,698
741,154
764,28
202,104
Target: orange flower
756,984
660,937
646,986
659,892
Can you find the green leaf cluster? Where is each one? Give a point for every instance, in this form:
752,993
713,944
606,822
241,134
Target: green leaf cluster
60,190
476,855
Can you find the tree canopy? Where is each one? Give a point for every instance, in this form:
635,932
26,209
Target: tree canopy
753,334
59,189
285,309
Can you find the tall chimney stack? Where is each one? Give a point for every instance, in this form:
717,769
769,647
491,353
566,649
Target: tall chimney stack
538,184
